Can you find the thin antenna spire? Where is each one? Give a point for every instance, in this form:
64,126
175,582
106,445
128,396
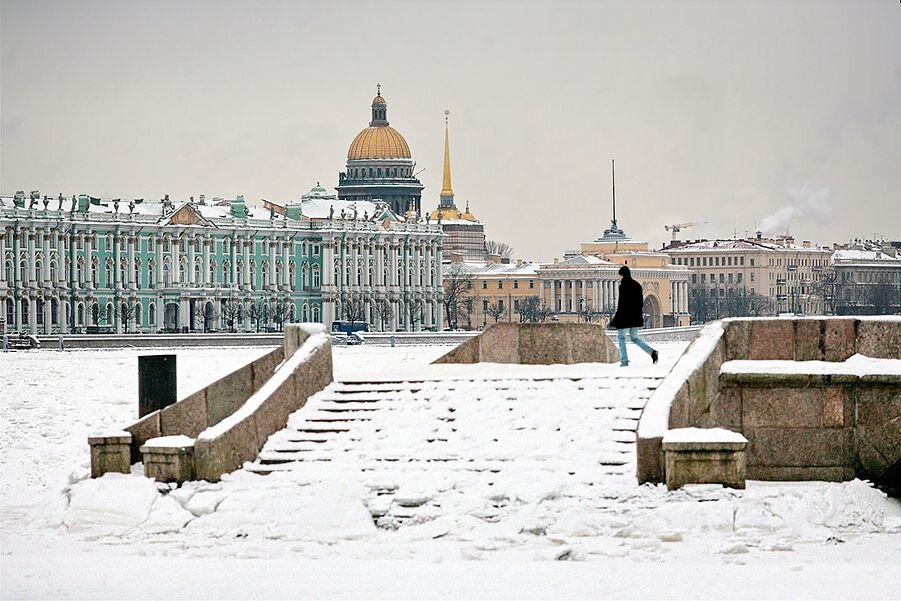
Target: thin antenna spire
613,168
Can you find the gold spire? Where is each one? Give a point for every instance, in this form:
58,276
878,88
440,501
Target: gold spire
446,190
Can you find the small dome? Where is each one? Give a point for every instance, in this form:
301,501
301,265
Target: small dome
379,100
445,214
380,142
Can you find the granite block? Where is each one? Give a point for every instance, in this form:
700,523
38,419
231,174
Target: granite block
678,412
725,410
705,466
227,394
790,474
833,398
809,339
772,339
698,402
187,417
264,367
781,407
737,337
796,447
877,405
143,430
500,343
879,338
839,341
650,461
228,452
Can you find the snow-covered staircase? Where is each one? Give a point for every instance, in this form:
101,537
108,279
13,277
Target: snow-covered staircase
419,445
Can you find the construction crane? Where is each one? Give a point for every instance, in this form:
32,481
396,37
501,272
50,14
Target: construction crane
675,229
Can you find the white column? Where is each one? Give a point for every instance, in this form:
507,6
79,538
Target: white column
554,295
176,264
191,262
88,266
246,244
572,296
45,266
205,269
159,266
32,276
131,241
272,258
48,316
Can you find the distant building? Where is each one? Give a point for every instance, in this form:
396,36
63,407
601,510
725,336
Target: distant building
752,276
585,284
95,264
464,234
495,291
380,165
867,279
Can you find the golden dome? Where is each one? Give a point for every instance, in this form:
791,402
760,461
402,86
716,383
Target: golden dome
379,100
445,214
380,142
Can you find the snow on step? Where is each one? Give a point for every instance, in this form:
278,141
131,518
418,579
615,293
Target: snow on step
423,448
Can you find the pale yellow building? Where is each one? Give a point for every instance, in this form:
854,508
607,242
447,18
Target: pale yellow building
777,275
585,284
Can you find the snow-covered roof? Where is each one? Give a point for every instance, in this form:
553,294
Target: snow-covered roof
485,268
742,244
869,256
325,207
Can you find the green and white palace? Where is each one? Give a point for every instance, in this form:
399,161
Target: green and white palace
86,264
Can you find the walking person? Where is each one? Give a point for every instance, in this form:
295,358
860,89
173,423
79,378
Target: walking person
629,316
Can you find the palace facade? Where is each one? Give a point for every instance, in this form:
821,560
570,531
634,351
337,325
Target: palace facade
93,264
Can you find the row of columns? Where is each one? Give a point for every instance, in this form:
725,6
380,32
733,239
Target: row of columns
604,295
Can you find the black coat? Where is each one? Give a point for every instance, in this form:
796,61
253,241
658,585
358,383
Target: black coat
629,309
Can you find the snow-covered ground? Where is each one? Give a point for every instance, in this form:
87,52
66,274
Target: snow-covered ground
310,532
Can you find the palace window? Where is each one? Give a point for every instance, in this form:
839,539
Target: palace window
484,284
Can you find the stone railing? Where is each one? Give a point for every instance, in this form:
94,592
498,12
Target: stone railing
795,387
537,344
228,421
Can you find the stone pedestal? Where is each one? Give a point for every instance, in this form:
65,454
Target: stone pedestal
110,452
169,458
704,456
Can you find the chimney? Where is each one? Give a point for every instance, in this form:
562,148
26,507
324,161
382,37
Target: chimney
805,243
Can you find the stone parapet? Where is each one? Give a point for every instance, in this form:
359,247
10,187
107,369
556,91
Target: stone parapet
253,401
809,404
536,344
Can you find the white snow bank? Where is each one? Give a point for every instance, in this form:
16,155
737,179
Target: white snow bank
703,435
856,365
112,504
178,440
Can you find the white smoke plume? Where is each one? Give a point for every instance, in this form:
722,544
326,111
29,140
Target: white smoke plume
808,202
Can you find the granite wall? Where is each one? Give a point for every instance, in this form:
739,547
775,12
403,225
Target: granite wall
536,343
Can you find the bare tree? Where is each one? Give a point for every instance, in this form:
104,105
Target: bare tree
230,310
882,298
502,249
533,310
127,313
383,312
457,281
465,308
496,310
353,310
415,314
280,312
590,315
258,310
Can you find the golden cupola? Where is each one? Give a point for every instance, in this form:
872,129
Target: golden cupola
379,140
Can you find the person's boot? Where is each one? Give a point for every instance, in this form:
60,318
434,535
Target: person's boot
654,356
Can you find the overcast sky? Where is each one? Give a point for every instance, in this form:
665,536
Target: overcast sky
739,114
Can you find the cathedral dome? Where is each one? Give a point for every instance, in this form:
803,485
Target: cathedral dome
378,142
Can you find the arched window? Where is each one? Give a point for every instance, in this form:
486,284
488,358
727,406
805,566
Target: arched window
137,274
110,311
10,311
197,276
317,280
39,311
137,314
68,314
53,271
265,274
95,314
151,314
108,273
94,265
54,311
359,276
80,314
305,314
23,271
292,276
182,269
167,273
123,272
10,274
316,313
